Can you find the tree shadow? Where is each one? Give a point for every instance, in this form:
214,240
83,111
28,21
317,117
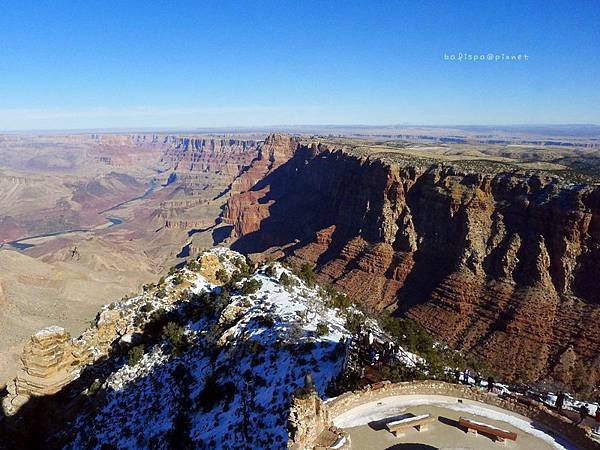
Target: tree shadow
411,446
559,439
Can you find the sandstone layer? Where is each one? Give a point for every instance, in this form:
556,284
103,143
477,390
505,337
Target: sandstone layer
46,367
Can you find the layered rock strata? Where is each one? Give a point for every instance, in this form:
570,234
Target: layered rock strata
496,263
51,359
46,367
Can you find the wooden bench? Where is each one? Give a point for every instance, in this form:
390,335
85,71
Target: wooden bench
398,427
499,434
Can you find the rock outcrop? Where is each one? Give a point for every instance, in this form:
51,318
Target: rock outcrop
308,419
199,173
309,424
46,367
200,163
501,264
51,359
243,208
224,360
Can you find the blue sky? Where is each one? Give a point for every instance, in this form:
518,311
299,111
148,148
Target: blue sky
76,64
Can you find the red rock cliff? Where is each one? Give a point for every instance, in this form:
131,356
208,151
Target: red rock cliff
503,265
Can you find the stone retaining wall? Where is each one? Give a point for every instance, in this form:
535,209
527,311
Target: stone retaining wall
535,411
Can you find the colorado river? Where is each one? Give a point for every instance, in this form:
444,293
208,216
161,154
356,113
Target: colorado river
22,244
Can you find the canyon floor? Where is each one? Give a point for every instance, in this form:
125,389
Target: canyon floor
86,220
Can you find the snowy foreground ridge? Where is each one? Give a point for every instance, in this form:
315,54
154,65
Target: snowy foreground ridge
230,387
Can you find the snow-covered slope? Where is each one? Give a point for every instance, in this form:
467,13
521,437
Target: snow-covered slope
230,385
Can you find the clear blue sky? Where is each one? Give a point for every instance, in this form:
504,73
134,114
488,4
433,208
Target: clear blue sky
88,64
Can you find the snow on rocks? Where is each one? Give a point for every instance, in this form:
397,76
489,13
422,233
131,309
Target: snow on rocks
49,331
127,374
247,354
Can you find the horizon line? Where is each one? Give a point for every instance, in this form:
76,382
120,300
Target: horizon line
263,128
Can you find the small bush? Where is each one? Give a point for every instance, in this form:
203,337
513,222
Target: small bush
307,274
174,333
400,372
251,286
335,353
306,346
94,387
255,347
338,300
270,271
322,329
154,325
204,303
407,333
194,266
222,275
214,393
235,278
139,321
178,279
265,321
354,322
146,308
135,354
245,267
286,281
350,381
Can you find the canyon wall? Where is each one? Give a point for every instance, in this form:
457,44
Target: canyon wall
503,265
200,171
217,159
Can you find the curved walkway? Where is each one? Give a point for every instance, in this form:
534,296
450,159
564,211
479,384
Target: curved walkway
366,425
